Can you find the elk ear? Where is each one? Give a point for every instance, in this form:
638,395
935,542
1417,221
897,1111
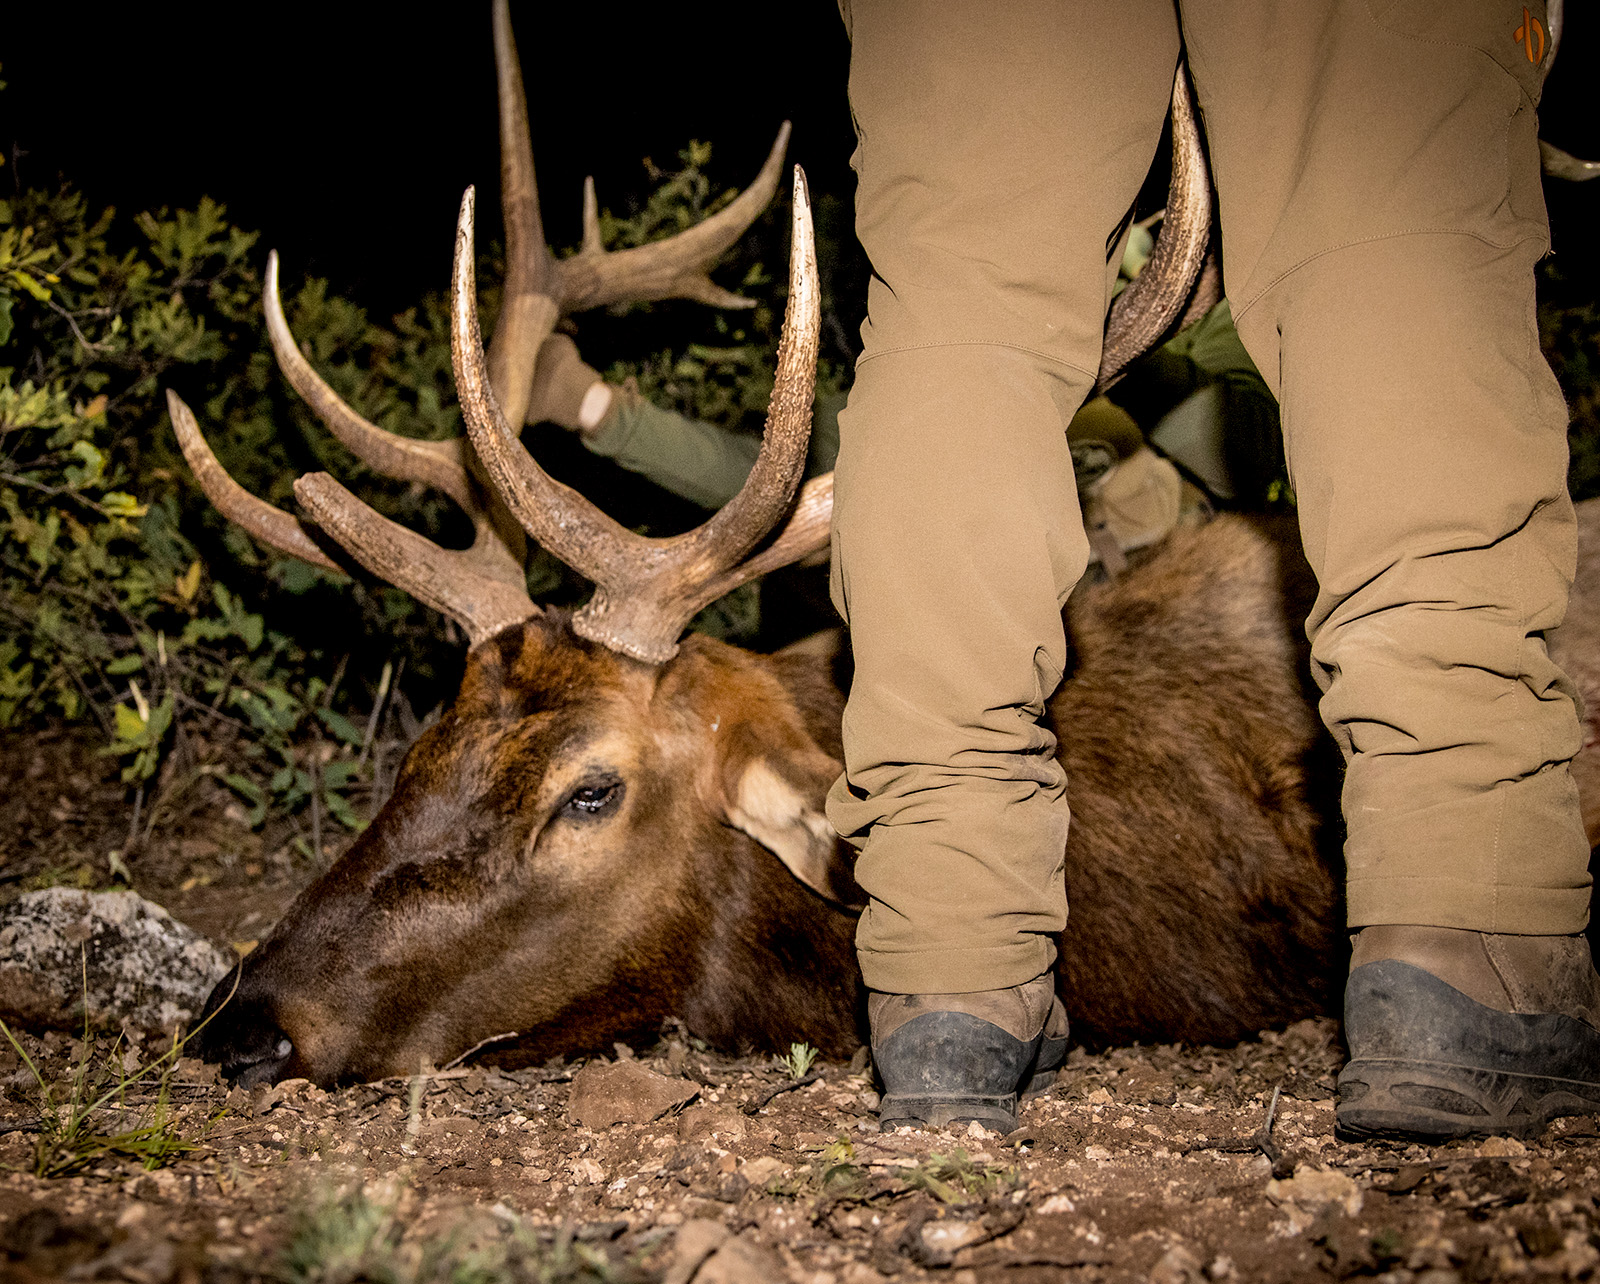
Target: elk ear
782,818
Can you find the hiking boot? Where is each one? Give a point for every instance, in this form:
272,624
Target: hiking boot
1455,1033
959,1058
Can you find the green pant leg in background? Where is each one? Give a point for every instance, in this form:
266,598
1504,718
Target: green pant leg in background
702,462
1000,147
1381,217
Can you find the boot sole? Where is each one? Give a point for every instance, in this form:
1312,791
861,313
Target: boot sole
1427,1062
1434,1101
997,1114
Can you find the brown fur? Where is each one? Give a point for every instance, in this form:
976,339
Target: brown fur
1201,864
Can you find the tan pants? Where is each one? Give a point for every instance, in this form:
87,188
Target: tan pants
1378,179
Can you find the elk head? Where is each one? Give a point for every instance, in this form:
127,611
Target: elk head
611,824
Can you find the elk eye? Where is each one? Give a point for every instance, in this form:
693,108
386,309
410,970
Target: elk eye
595,798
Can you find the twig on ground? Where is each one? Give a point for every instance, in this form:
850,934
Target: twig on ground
378,702
1262,1141
481,1043
751,1107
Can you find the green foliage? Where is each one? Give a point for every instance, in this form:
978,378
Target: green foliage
125,599
799,1060
101,600
349,1237
93,1122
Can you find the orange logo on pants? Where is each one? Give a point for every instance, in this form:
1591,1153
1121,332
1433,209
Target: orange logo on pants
1530,35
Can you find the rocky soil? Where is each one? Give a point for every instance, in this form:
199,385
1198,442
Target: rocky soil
674,1163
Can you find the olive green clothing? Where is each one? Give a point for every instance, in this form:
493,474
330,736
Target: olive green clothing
707,464
1203,402
700,461
1378,179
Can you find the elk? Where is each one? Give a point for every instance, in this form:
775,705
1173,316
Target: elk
614,823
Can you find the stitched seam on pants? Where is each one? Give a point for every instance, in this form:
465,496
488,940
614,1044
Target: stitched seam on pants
1499,832
978,343
1440,42
1270,286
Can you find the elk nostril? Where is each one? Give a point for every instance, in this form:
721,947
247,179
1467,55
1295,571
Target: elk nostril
262,1063
245,1037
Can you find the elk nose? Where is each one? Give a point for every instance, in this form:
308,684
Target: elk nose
261,1064
247,1040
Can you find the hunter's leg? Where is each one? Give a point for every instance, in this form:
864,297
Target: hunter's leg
1000,149
1382,216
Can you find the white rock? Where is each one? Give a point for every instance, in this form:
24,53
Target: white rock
145,970
1311,1190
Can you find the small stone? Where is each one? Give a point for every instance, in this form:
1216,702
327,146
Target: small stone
718,1122
1502,1148
133,1215
1096,1152
1099,1097
696,1242
758,1172
626,1092
1177,1266
941,1240
1058,1204
977,1131
741,1261
1313,1189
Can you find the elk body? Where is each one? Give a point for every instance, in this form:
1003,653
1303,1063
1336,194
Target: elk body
586,844
611,825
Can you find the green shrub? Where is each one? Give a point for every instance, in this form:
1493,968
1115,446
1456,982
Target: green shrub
126,600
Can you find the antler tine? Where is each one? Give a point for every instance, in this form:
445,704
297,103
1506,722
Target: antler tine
676,268
438,464
451,581
1156,298
555,515
529,309
766,493
272,526
498,548
807,531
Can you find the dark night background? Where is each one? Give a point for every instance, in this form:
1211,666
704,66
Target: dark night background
346,133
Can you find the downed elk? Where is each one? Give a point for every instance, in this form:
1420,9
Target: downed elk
614,823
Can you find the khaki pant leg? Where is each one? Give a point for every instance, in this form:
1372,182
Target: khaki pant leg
1000,147
1381,218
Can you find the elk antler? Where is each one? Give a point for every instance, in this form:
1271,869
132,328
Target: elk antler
540,288
482,588
1166,291
647,590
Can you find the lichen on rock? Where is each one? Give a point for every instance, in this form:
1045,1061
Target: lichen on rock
130,962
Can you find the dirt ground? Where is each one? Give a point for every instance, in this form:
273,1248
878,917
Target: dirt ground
1160,1163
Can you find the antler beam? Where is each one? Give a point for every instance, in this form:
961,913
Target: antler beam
1165,293
646,590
